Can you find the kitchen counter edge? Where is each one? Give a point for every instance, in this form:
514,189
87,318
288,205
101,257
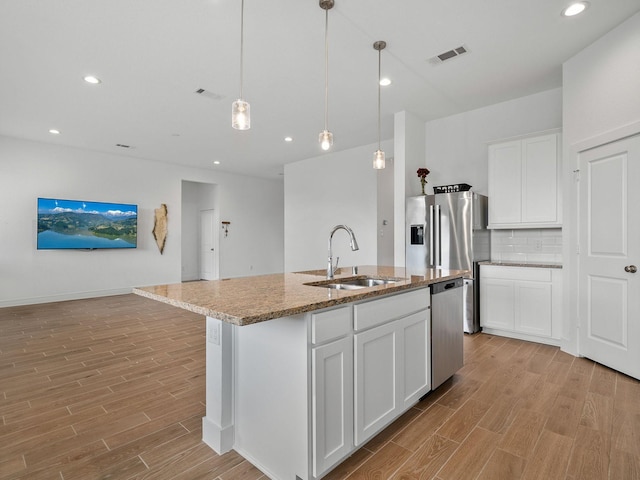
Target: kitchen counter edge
205,299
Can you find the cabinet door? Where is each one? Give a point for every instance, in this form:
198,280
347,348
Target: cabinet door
497,303
416,357
505,184
540,179
377,391
332,403
533,312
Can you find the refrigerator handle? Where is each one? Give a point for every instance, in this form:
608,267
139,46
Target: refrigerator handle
432,238
438,251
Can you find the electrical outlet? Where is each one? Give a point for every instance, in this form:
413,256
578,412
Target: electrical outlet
538,245
214,334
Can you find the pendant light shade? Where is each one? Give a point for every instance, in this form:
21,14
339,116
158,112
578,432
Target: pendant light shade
378,156
326,137
378,160
241,115
240,110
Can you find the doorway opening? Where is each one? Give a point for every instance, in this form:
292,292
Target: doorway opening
200,235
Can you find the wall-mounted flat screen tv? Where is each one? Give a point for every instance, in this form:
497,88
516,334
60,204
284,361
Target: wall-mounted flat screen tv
76,224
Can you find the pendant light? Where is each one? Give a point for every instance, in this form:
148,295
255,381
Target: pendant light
378,156
326,137
241,110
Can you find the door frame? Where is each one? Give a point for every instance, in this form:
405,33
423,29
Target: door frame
571,228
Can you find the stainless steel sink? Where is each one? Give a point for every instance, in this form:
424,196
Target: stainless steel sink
354,283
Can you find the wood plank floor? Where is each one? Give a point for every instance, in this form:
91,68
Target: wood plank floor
113,388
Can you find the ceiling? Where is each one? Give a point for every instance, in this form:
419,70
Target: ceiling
152,56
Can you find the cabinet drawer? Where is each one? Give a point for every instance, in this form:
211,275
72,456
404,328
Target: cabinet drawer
533,274
377,312
331,324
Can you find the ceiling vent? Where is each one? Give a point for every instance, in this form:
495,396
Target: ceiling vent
208,94
443,57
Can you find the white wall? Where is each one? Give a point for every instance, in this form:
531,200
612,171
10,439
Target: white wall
601,85
408,144
385,212
321,192
601,104
456,146
29,170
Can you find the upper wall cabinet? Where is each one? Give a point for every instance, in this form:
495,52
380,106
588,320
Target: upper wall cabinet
524,183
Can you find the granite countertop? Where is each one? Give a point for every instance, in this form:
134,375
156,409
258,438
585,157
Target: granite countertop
248,300
522,264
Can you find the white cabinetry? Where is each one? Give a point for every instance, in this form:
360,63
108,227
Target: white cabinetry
331,387
524,183
392,359
332,410
521,302
311,388
376,390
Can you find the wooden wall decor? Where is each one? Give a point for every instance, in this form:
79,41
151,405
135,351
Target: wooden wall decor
160,226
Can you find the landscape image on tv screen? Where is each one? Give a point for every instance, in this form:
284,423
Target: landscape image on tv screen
76,224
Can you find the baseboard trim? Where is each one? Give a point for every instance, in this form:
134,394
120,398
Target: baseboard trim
64,297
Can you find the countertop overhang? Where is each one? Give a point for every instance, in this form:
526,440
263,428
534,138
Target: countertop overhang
248,300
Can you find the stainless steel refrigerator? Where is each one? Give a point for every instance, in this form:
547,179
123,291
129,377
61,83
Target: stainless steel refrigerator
449,230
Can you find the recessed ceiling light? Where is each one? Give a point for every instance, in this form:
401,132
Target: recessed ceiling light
91,79
385,82
53,131
288,139
216,162
575,9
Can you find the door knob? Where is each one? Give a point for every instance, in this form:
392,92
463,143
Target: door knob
631,269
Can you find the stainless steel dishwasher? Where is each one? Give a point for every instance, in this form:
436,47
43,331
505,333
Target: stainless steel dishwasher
447,333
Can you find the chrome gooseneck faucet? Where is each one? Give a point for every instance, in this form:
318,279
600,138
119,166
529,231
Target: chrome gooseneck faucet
352,241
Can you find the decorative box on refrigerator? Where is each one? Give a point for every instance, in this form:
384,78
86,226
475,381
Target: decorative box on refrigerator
449,231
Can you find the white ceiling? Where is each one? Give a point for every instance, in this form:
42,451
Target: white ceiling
152,55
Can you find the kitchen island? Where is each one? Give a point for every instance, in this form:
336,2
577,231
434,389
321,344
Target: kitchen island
300,375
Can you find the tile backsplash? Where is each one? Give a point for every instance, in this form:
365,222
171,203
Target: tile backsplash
540,245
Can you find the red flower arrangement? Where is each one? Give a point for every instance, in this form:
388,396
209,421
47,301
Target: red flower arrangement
422,174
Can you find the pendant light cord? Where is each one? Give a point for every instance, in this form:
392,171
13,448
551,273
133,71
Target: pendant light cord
326,68
241,46
379,70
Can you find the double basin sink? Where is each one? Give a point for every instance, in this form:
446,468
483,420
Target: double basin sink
354,283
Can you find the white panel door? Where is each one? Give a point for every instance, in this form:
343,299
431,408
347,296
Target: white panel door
416,356
533,315
609,305
540,179
208,237
332,404
505,182
497,303
377,377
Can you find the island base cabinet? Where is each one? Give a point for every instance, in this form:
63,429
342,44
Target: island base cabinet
306,391
392,372
332,403
271,396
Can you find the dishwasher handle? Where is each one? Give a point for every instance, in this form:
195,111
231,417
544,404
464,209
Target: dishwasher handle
444,286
